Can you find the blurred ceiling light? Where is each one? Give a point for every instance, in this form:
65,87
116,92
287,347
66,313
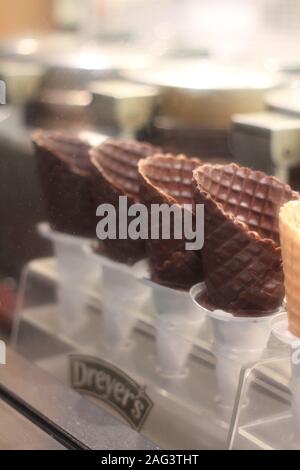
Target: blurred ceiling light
205,75
27,46
227,18
296,85
92,60
164,31
271,65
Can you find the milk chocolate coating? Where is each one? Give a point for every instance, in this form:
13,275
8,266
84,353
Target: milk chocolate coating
167,179
115,174
65,174
241,254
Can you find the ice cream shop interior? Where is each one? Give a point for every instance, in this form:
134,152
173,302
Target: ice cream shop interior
150,224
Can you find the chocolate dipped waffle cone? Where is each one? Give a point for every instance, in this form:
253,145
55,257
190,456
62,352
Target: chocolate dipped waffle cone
289,223
65,174
115,169
167,179
241,254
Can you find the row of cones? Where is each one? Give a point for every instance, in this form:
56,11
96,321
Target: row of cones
241,257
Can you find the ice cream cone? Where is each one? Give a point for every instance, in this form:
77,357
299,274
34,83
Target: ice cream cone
241,254
115,168
289,223
167,179
65,173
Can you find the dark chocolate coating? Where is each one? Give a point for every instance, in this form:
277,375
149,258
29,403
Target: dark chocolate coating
115,174
241,254
167,179
65,173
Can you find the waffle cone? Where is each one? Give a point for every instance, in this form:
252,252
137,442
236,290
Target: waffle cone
167,179
241,254
65,174
289,223
115,170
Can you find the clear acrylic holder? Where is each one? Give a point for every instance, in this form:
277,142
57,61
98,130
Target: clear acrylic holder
172,359
76,273
177,324
282,333
267,413
124,297
237,341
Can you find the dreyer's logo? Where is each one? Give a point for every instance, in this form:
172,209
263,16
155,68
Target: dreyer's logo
160,221
2,92
2,353
102,380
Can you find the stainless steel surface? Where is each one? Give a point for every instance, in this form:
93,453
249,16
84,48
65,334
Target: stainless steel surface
18,433
206,92
69,416
22,80
285,100
123,105
267,141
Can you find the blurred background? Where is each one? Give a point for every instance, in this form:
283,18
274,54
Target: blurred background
218,79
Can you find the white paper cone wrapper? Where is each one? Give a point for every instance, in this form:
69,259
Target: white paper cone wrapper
174,340
73,262
118,325
77,274
71,315
235,346
177,324
238,341
123,298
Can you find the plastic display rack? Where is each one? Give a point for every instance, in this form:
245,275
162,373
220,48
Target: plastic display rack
149,337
